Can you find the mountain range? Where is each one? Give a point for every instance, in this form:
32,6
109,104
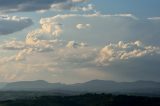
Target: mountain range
93,86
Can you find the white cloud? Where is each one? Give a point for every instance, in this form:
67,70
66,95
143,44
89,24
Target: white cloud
154,18
48,30
13,45
37,5
62,6
73,7
124,51
97,14
11,24
89,7
83,26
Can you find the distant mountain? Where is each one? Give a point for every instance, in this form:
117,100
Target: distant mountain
38,85
104,86
97,86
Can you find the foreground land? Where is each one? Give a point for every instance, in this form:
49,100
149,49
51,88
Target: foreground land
85,100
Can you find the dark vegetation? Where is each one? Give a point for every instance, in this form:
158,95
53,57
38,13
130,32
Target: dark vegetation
85,100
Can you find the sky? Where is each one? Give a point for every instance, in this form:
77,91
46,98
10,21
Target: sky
72,41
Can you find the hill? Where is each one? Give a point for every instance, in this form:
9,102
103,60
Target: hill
93,86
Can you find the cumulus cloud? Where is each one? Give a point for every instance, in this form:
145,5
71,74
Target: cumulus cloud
124,51
11,24
48,30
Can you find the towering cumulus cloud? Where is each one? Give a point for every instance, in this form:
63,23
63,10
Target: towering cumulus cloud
49,29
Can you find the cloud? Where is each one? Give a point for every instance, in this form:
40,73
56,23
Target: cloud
89,7
45,46
61,20
11,24
128,28
60,62
100,26
44,56
63,6
31,62
40,47
154,18
48,30
25,5
79,0
73,44
13,45
8,6
124,51
22,54
72,6
83,26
